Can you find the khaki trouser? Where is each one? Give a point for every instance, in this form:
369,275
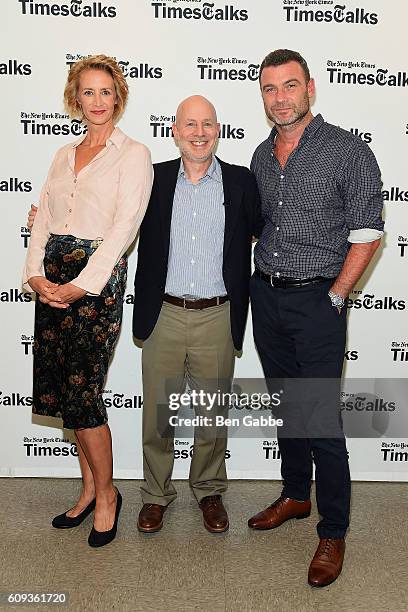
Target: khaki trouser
194,347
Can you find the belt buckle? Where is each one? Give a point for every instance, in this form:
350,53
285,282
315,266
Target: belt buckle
218,300
271,280
184,302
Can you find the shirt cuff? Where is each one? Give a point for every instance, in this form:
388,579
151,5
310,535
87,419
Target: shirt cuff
29,273
361,236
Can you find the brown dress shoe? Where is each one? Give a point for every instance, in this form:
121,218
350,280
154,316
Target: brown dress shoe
327,562
280,511
151,518
214,514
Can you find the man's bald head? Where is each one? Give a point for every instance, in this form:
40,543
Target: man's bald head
194,105
196,129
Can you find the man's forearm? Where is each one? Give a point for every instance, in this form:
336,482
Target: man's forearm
357,260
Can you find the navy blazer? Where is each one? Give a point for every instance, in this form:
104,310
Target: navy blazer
243,220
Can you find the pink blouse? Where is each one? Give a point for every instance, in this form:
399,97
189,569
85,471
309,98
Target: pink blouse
107,199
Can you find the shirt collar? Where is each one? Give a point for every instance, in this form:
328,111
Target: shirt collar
116,138
309,130
214,170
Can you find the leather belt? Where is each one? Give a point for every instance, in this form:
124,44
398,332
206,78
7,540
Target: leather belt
195,304
285,282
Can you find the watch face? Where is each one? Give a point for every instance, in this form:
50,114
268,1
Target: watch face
336,300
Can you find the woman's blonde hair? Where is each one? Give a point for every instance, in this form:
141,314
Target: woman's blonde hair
95,62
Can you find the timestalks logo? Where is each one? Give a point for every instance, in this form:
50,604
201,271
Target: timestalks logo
208,12
394,451
351,355
15,295
381,77
75,8
271,450
403,245
161,128
13,184
118,400
27,344
365,136
369,301
13,67
364,404
45,449
208,72
129,298
337,14
25,236
51,124
140,71
395,194
15,399
399,351
188,450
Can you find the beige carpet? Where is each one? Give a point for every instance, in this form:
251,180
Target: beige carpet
184,568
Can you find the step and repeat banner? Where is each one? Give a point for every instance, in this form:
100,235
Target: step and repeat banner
169,50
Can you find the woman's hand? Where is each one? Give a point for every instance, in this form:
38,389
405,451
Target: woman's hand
68,293
42,285
45,290
31,216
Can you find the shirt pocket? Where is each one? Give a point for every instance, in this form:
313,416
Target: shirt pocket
312,193
58,191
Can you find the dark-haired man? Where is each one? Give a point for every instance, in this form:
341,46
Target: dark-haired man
320,189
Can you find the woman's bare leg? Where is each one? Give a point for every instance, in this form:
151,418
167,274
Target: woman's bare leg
88,485
97,446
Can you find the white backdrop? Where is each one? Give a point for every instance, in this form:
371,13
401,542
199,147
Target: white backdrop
169,50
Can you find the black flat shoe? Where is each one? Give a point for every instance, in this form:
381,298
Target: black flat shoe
101,538
62,521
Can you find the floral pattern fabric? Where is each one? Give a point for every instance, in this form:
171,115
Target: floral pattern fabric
73,346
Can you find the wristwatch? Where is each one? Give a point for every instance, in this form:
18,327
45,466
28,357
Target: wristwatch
336,300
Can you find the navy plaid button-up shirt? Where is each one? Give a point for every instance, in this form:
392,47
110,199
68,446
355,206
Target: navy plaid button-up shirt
329,187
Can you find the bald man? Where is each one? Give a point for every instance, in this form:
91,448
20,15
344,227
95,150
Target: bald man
191,305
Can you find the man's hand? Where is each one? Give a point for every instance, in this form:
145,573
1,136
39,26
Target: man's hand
357,260
68,293
45,290
31,216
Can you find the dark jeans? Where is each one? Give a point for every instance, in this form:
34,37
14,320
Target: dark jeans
298,334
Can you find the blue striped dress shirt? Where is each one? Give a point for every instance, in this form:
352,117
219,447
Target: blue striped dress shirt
197,236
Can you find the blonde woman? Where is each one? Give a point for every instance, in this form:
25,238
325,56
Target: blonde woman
91,208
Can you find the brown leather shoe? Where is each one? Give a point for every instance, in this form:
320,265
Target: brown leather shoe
327,562
280,511
214,514
151,518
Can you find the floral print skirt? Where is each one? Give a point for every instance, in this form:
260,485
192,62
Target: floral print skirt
73,346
